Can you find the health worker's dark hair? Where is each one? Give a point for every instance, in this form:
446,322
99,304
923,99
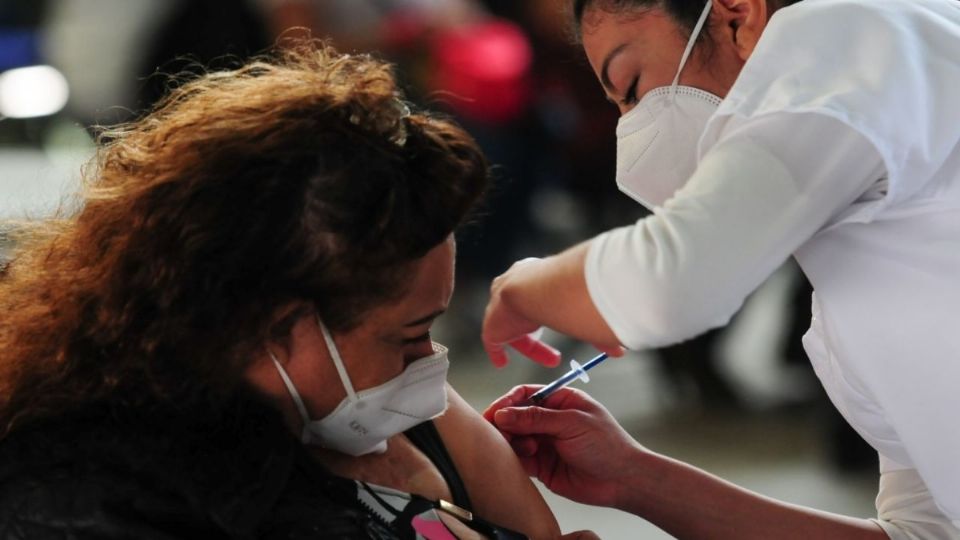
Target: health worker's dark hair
684,12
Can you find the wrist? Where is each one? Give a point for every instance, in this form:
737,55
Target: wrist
521,290
640,477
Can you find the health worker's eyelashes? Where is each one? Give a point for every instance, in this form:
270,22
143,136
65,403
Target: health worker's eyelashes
630,96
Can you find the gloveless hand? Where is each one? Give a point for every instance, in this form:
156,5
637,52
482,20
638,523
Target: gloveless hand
503,324
571,444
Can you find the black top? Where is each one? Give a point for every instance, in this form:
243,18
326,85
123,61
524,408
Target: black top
427,439
113,472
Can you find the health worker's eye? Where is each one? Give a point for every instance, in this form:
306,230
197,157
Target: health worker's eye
630,96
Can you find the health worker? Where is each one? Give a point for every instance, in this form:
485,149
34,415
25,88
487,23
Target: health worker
754,130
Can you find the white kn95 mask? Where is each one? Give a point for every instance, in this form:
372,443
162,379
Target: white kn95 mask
363,421
657,139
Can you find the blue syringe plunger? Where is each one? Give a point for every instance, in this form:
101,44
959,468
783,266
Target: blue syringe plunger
576,372
577,369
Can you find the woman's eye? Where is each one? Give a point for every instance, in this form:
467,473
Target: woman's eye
418,339
630,96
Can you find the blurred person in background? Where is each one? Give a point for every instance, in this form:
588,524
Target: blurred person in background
115,53
778,128
199,35
20,47
231,337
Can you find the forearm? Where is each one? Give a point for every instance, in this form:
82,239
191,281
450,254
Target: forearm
690,503
554,293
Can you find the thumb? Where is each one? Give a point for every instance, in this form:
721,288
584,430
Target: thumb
580,535
536,421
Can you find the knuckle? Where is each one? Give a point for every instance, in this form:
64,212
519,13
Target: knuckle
532,415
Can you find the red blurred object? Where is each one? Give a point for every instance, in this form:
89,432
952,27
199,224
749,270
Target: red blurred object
486,68
404,29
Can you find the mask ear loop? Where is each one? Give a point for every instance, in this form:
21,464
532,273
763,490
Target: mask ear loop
335,355
292,389
690,44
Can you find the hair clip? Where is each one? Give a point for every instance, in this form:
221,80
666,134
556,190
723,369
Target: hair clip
389,122
400,137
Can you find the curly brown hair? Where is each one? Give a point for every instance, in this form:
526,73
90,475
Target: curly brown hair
299,176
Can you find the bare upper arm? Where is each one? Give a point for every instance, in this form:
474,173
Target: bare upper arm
499,489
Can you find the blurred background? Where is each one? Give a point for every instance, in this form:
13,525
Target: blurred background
741,402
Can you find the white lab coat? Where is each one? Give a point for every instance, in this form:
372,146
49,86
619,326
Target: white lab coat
839,143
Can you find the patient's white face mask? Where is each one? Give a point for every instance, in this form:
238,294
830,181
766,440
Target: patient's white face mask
657,139
363,421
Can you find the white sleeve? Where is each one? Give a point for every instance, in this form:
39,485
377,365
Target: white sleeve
906,509
766,187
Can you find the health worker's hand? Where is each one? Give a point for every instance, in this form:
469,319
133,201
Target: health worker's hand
548,292
504,325
571,444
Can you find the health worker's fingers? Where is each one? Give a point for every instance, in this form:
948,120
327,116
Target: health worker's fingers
531,466
572,399
543,464
537,351
539,421
502,322
562,399
616,351
524,446
517,396
580,535
567,398
496,353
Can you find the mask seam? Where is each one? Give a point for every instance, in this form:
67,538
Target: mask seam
401,413
642,152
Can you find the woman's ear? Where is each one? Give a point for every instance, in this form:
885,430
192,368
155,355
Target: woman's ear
279,338
739,24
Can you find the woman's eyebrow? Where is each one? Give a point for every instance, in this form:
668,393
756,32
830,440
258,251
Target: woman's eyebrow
426,319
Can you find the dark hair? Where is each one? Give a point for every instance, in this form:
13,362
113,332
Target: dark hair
298,177
684,12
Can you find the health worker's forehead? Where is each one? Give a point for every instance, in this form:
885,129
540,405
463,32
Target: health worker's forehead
641,36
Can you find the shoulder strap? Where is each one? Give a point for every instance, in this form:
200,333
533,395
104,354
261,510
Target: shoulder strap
427,439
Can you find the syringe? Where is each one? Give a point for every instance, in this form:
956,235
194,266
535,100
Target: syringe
576,372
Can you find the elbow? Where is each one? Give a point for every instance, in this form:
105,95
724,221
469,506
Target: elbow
681,312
